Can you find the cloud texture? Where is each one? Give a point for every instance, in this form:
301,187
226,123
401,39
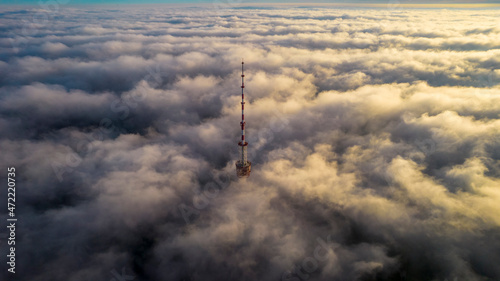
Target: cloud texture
374,136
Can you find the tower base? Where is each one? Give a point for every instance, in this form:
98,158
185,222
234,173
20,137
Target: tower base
243,171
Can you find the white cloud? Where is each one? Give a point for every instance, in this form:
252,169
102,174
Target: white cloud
374,129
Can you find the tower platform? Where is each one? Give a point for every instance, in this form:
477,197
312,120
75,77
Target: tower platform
243,171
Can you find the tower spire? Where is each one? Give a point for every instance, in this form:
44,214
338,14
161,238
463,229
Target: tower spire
243,166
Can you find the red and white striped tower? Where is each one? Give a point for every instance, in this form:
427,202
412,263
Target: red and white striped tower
243,166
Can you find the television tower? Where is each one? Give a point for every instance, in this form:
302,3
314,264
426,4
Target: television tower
243,166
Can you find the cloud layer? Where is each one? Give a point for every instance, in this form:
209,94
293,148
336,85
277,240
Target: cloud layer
374,136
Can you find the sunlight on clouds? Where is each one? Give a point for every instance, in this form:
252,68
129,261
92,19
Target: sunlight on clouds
375,131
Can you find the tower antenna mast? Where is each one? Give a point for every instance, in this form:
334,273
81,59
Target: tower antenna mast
243,166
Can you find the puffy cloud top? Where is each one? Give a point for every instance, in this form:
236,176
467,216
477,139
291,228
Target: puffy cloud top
374,136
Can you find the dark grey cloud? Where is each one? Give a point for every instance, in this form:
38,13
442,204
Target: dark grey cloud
374,137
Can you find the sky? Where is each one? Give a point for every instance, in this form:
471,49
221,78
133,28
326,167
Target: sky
374,137
237,2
